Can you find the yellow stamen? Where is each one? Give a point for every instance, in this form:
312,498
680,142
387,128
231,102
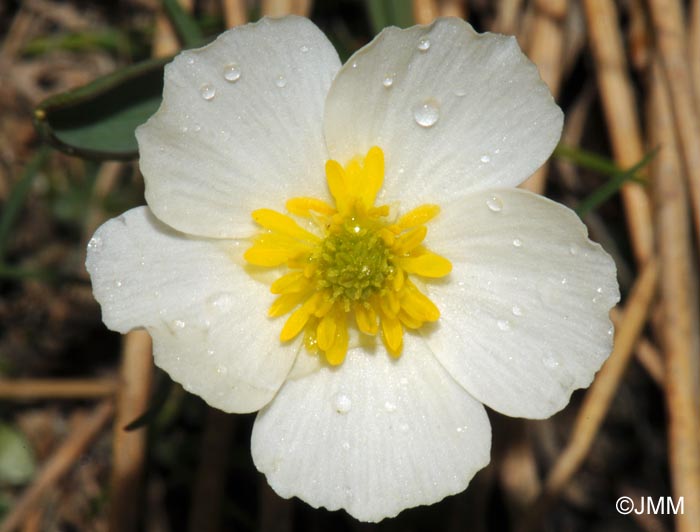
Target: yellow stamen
357,261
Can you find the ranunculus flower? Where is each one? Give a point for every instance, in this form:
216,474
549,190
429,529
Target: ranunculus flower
341,248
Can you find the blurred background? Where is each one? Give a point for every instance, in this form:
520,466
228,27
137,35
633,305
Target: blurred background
94,438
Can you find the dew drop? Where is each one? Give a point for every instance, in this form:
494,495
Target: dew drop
354,64
564,280
504,325
190,60
388,81
281,81
427,113
550,362
517,242
118,284
342,403
345,445
599,290
494,203
95,242
304,48
222,302
232,72
610,331
210,352
460,92
222,370
424,44
485,159
207,91
573,249
517,311
389,406
179,324
462,429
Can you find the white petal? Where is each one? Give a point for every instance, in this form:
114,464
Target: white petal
374,436
496,121
207,316
217,149
524,313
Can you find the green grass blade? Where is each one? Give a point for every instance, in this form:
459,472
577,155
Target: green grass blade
18,196
184,25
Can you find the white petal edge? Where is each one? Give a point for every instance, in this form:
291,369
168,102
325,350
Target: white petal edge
497,120
525,312
206,315
374,436
217,148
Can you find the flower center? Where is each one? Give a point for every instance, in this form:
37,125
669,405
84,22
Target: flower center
353,263
351,260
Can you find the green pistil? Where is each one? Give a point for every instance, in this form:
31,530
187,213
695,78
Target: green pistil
354,263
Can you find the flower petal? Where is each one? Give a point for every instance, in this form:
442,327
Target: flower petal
374,435
493,119
206,315
524,313
220,144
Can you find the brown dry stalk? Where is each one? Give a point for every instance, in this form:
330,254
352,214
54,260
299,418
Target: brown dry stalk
58,464
599,397
129,447
667,17
507,16
620,110
34,389
425,11
678,290
546,50
694,49
234,12
453,8
210,482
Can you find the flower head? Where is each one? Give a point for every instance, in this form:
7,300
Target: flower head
341,249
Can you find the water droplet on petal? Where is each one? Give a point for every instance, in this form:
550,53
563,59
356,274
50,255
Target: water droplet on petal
460,92
281,81
346,445
232,72
427,113
517,242
485,159
222,370
611,330
389,406
494,203
304,48
354,64
573,249
388,81
342,403
517,311
504,325
550,362
599,290
95,243
207,91
210,352
462,429
179,324
190,60
118,284
424,44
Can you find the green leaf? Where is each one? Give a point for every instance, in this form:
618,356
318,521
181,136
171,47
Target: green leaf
383,13
98,121
17,463
603,193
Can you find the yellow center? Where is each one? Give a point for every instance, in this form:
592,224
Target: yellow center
357,262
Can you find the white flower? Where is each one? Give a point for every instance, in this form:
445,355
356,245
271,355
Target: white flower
397,168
